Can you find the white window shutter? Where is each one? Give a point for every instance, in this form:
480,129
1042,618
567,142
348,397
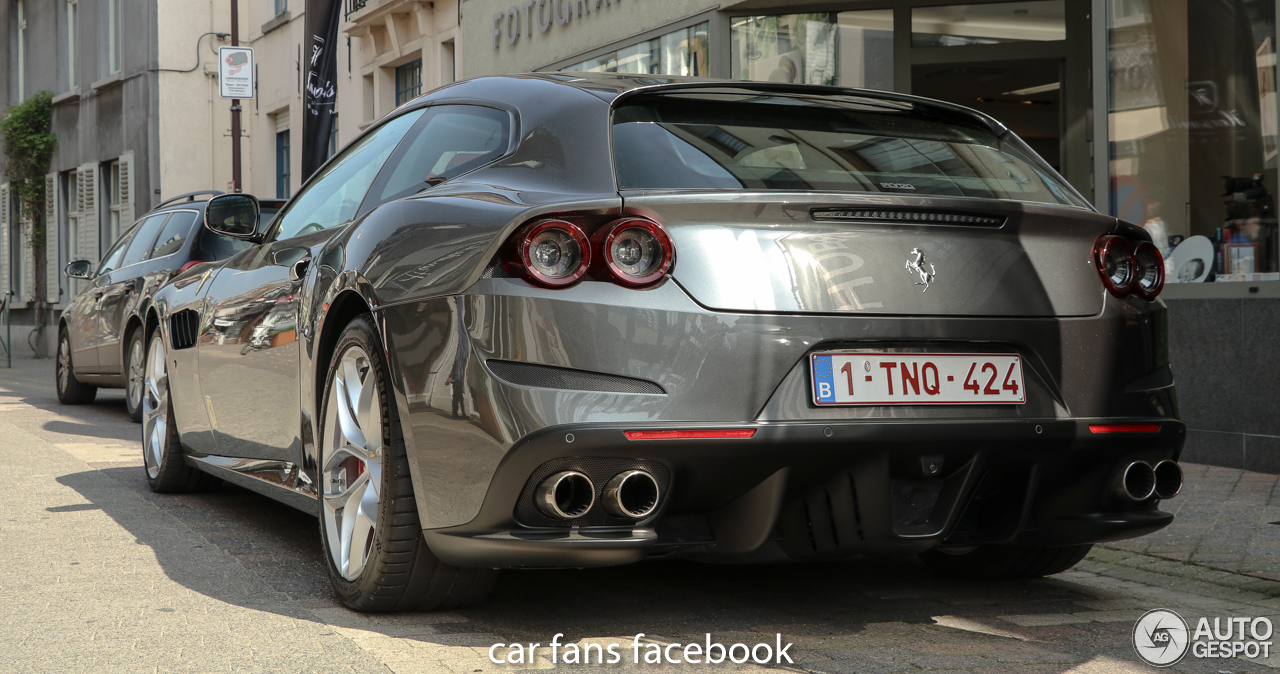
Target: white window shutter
126,191
5,233
87,177
52,237
28,260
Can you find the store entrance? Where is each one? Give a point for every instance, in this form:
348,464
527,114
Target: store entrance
1025,95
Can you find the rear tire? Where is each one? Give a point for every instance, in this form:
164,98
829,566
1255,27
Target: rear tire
163,460
135,366
377,557
70,390
994,562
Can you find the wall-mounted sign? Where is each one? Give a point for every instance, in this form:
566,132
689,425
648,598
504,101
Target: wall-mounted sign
235,72
521,19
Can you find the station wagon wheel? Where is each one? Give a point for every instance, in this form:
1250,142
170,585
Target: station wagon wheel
162,456
377,557
70,390
135,361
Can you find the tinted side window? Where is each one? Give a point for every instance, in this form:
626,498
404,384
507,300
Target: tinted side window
142,241
333,197
449,141
111,260
174,234
211,246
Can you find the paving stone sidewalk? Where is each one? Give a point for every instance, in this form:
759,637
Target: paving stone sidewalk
1224,519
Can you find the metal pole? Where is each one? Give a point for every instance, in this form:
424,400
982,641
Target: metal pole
235,106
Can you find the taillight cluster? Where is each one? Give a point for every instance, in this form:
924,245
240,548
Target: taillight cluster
554,253
1129,269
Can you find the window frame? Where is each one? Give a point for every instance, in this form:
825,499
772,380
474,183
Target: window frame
272,233
284,163
195,223
147,247
513,135
119,244
402,95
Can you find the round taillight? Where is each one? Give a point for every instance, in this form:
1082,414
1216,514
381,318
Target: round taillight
636,252
1149,272
1116,265
554,253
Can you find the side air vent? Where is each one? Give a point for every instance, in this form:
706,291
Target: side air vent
184,328
546,376
914,217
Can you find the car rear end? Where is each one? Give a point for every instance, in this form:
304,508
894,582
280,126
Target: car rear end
820,325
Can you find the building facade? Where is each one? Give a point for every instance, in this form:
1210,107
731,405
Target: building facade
137,119
396,51
1162,112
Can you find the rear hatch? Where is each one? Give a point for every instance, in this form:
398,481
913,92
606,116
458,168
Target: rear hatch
800,204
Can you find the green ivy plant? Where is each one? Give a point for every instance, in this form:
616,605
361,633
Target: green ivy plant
28,142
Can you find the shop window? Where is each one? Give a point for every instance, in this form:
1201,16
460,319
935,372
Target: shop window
680,52
989,23
408,82
1192,130
851,49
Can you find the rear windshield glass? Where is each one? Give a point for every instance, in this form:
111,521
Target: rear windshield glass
781,143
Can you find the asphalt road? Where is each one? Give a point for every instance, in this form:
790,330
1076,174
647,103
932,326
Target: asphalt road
99,575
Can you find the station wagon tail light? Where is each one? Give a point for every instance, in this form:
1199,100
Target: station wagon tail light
1116,264
634,252
189,265
551,253
1149,274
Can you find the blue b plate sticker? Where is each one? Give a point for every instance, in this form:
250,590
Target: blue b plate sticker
824,389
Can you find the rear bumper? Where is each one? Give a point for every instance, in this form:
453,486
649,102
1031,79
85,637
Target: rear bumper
799,490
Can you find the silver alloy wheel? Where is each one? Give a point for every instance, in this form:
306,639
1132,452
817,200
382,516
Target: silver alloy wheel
155,406
64,363
351,462
136,374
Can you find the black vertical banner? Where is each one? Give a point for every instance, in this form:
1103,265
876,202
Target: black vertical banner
319,96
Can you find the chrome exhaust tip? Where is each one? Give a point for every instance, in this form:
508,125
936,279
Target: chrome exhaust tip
1168,479
631,495
565,495
1135,482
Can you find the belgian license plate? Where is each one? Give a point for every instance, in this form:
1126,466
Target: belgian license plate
917,379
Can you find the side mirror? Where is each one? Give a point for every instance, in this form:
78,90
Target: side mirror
235,215
79,269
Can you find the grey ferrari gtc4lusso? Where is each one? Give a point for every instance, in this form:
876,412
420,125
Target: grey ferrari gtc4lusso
579,320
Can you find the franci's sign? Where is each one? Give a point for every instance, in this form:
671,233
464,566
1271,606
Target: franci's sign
537,16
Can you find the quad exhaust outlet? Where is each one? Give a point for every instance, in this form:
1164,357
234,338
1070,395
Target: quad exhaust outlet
1135,482
1139,481
630,495
565,495
1168,479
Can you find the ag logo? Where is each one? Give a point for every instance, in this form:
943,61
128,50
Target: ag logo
1161,637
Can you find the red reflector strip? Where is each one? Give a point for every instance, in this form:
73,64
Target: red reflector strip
1125,428
690,435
